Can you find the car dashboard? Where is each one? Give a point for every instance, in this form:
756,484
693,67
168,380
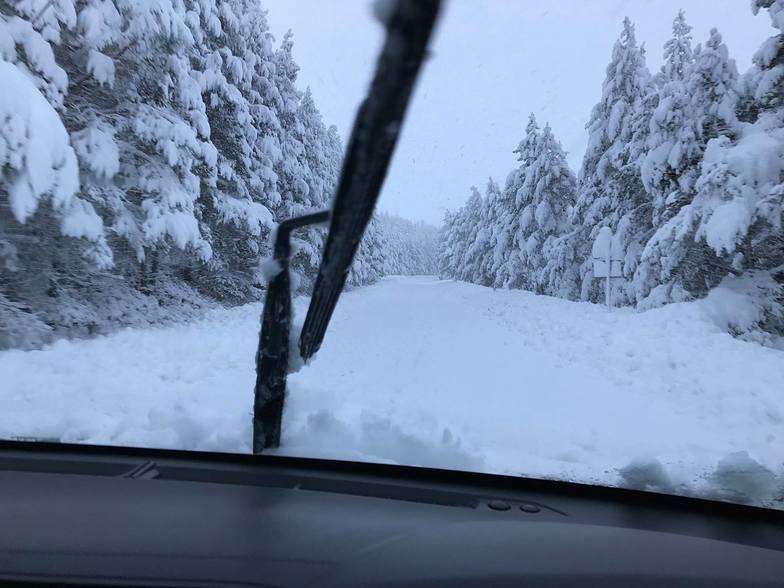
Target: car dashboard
102,516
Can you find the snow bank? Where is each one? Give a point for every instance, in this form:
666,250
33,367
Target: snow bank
425,372
103,307
741,305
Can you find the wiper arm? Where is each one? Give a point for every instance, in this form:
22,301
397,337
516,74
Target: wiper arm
272,357
370,148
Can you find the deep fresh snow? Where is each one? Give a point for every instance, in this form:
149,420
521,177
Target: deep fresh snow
439,373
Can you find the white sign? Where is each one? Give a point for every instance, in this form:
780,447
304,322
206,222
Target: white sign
607,260
606,252
600,268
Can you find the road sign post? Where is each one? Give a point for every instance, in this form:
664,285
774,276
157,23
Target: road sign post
604,264
608,289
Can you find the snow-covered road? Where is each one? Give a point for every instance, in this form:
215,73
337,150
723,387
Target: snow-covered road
421,371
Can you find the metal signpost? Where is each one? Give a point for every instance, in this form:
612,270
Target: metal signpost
605,265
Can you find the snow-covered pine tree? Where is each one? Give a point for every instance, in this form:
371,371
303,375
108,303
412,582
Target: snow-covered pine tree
678,51
671,153
38,169
444,255
453,243
136,114
731,231
501,239
554,191
539,195
768,73
516,215
318,167
394,247
334,159
235,206
562,269
488,234
369,264
51,236
691,113
265,103
315,139
470,226
294,181
742,187
461,234
410,247
610,191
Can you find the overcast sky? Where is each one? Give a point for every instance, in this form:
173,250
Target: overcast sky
494,62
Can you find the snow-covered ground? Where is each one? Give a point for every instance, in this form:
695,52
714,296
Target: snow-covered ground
428,372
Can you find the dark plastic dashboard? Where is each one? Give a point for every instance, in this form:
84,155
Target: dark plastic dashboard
101,516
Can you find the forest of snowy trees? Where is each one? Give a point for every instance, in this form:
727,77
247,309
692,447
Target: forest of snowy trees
147,150
686,166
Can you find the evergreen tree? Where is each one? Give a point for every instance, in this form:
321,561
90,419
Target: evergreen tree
702,109
302,188
368,265
768,76
610,190
237,196
453,244
317,169
745,177
471,219
134,106
668,167
443,251
51,235
487,236
515,214
554,189
678,50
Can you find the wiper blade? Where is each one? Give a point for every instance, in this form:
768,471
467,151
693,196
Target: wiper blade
370,150
409,25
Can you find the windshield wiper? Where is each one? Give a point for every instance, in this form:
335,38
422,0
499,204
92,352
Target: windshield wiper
272,357
409,25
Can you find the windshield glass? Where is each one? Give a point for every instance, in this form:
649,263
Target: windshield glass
575,269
